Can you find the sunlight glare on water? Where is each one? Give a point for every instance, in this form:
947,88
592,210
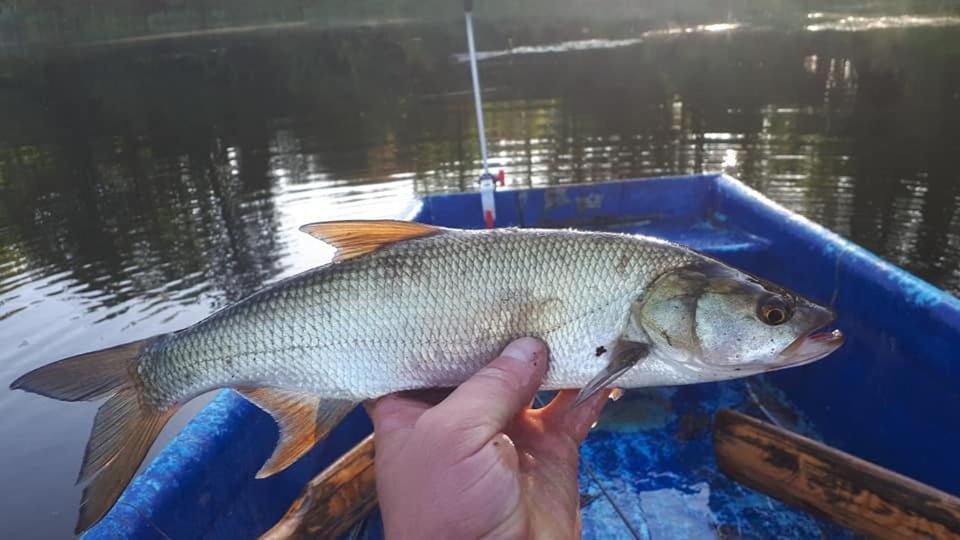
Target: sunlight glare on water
854,23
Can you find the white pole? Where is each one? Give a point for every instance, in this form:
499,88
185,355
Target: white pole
468,6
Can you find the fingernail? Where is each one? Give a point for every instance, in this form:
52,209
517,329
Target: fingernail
526,350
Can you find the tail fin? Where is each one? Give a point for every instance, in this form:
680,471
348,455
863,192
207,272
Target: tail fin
123,430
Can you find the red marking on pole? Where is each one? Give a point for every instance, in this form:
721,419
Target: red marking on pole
488,218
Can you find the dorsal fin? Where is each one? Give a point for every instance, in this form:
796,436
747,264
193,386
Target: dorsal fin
303,419
356,238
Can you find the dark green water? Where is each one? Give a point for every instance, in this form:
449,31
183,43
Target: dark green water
144,185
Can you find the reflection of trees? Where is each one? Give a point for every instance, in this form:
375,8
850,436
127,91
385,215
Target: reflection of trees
147,171
131,190
904,127
879,148
153,164
935,111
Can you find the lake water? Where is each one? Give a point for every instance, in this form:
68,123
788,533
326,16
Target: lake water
144,185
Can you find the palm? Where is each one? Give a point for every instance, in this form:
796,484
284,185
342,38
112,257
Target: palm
520,482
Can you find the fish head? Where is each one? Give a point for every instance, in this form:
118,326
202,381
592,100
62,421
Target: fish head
719,321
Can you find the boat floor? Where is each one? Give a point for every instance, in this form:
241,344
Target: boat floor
708,236
648,469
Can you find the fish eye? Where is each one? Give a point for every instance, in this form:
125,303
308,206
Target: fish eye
774,311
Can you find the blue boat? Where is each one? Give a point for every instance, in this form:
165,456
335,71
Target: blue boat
891,395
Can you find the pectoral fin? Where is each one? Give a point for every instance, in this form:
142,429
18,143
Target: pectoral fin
303,419
625,355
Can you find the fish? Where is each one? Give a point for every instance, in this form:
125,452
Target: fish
407,306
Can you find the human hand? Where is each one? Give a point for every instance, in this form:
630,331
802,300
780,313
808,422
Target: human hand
481,463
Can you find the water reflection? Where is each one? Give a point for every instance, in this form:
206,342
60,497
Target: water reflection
143,186
843,22
595,44
152,174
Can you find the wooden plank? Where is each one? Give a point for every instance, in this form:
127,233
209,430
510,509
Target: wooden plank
831,484
334,500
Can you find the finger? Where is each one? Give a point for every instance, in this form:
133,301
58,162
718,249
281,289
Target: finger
575,421
391,413
487,401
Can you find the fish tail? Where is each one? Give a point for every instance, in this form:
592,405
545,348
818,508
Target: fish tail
124,428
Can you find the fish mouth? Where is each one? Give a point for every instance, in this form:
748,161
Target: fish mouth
810,348
815,344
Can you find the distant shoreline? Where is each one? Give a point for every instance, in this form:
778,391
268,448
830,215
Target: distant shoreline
247,29
27,47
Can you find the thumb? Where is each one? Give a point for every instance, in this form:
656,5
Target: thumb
482,406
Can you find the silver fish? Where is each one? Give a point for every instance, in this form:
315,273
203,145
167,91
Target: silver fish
406,306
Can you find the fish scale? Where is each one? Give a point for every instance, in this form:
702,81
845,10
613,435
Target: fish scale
423,313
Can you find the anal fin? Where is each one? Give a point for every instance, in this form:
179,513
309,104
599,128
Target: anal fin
303,420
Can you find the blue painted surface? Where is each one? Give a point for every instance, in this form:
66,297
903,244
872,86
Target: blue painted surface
653,455
890,395
202,484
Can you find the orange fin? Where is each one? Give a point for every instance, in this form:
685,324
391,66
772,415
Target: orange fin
356,238
84,377
123,431
124,428
303,420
